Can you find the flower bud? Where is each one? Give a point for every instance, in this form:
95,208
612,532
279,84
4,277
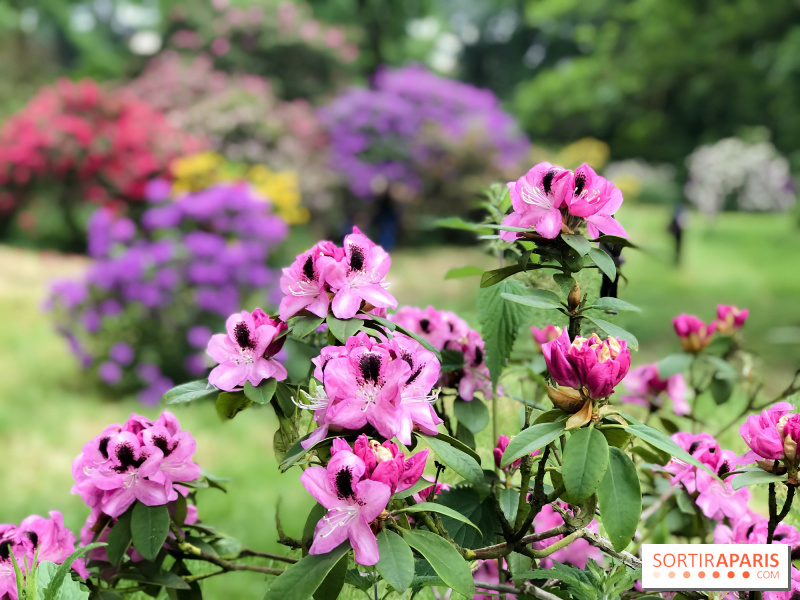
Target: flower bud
565,398
574,297
730,318
695,335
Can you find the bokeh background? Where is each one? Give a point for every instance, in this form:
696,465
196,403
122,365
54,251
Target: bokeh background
161,159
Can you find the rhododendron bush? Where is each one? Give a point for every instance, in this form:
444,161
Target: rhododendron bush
82,144
387,431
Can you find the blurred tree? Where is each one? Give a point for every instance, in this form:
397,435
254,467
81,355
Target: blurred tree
657,78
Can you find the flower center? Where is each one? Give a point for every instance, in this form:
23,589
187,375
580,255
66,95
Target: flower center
344,484
356,258
127,458
242,334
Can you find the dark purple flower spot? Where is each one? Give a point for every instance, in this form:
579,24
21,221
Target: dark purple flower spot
694,446
414,375
478,356
344,484
242,334
308,268
33,537
547,181
127,458
580,183
103,447
356,258
425,324
407,357
370,367
724,468
161,443
5,550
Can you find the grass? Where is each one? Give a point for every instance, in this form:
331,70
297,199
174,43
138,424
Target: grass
48,410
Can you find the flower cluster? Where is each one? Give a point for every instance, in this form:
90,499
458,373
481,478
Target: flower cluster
551,199
384,384
246,352
647,388
447,331
140,460
355,488
97,145
45,539
696,335
587,363
389,136
717,499
344,280
773,436
187,267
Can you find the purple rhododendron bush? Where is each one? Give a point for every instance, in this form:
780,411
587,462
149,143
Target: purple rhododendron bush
385,429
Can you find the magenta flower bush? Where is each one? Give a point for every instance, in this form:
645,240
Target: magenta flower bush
189,265
395,431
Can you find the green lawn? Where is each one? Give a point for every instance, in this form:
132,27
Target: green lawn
48,410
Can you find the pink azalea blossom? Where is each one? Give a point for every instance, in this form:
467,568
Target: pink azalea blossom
599,365
603,220
590,192
353,503
385,463
242,353
414,406
647,388
730,318
303,285
429,494
764,433
447,331
694,334
537,198
577,553
546,334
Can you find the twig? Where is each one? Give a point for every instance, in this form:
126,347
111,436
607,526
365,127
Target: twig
526,588
287,559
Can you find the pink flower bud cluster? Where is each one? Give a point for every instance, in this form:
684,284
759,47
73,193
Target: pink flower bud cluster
717,499
355,488
447,331
383,384
549,198
591,363
343,280
773,435
140,460
246,351
46,536
696,335
647,388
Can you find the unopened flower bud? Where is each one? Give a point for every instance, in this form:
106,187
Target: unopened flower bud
574,297
565,398
382,454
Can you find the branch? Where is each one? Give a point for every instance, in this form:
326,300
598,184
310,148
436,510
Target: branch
526,588
247,552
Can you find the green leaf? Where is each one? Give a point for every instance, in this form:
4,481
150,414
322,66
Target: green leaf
396,564
332,585
535,300
189,392
585,462
564,282
343,328
119,538
283,395
530,439
461,462
608,303
452,360
662,442
495,276
230,404
46,582
417,487
303,578
500,323
578,242
306,325
152,574
721,389
149,529
619,497
613,239
315,514
438,508
619,438
460,272
459,223
508,498
754,478
673,364
58,579
459,445
444,558
517,564
616,331
479,510
604,262
473,415
263,393
651,454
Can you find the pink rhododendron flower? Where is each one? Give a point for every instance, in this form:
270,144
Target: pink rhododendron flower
447,331
46,536
383,384
353,502
773,435
546,334
303,285
577,553
730,318
429,494
695,335
537,198
717,500
385,463
242,353
136,461
647,388
487,572
599,365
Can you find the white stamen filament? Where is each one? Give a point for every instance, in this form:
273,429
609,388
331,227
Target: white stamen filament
304,288
535,196
339,517
319,401
432,397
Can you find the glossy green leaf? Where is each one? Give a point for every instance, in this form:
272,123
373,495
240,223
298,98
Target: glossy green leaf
119,538
230,404
604,262
616,331
343,328
674,363
495,276
332,585
444,558
461,462
619,497
533,301
460,272
283,396
303,578
438,508
613,239
578,242
755,478
585,461
508,498
473,415
452,360
608,303
305,326
396,564
262,393
189,392
500,323
149,529
530,439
